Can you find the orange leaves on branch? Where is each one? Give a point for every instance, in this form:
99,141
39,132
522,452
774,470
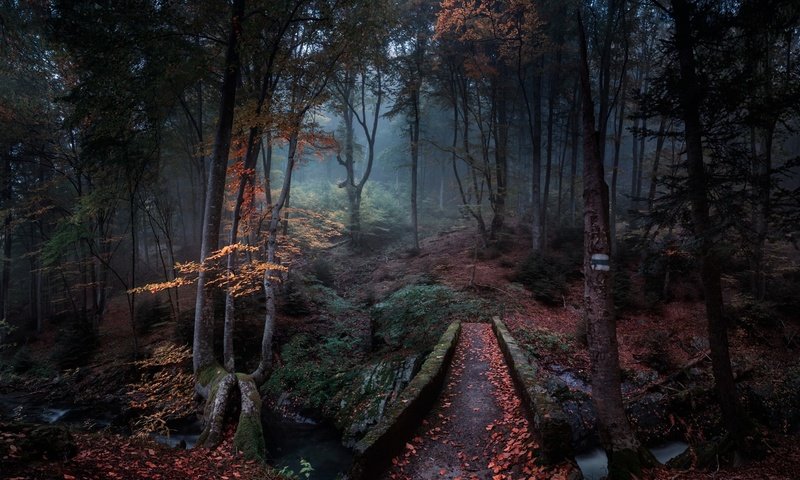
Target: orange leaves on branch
495,32
165,390
154,288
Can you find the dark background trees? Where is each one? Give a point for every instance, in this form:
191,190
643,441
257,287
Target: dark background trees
149,145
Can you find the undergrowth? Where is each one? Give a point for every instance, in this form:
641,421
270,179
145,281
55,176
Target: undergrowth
416,316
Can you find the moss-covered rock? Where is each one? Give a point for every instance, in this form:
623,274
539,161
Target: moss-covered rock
384,440
362,405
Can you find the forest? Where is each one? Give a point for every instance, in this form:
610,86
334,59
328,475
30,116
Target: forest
400,239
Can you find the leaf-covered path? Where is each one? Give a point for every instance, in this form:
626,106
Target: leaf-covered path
478,429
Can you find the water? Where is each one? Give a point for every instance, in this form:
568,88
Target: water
52,415
318,444
666,452
174,440
594,464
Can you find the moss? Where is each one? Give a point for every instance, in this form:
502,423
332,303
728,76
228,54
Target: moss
249,436
416,315
403,416
548,417
210,374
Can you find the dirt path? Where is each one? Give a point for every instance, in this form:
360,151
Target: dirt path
477,430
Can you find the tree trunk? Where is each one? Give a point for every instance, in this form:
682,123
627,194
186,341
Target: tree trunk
251,157
710,260
414,138
763,186
552,98
615,168
203,341
573,169
265,362
626,457
500,164
651,196
536,166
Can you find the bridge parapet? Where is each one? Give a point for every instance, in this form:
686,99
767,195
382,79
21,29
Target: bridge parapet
374,452
552,427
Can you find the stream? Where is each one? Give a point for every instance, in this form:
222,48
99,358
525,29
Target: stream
288,440
594,463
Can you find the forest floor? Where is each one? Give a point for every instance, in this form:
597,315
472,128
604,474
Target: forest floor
496,445
114,457
477,430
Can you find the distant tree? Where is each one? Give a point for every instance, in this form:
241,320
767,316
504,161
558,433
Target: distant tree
361,82
501,39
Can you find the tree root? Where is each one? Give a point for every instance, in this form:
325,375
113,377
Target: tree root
215,411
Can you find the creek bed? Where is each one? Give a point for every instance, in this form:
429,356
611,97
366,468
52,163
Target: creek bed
594,463
289,441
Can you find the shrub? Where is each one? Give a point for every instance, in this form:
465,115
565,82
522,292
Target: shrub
657,356
22,361
315,368
623,295
545,276
294,297
416,316
537,341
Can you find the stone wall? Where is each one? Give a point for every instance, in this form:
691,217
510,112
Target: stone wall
548,418
374,452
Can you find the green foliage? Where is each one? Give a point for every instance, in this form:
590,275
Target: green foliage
22,361
664,260
305,470
324,272
301,295
62,239
295,295
75,345
537,340
545,276
314,368
382,216
417,315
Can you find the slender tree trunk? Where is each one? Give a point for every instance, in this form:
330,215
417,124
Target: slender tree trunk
615,168
562,163
573,169
250,160
763,184
536,166
5,281
710,260
265,362
414,138
203,342
500,164
651,196
552,97
266,159
623,449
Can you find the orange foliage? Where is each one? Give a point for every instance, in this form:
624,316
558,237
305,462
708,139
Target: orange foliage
496,32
